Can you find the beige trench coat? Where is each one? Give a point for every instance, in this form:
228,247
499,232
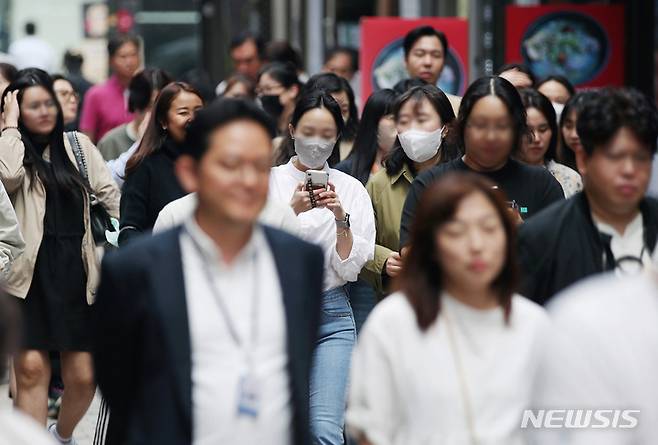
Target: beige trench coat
30,206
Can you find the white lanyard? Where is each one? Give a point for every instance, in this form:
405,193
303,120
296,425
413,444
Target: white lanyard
461,375
247,349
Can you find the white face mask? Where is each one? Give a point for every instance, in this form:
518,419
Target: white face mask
558,110
420,145
313,152
386,134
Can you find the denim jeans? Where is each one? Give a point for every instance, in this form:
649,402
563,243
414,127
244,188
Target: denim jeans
363,299
330,368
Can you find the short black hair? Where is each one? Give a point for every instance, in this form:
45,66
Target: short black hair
117,41
282,51
422,31
30,28
404,85
610,109
222,112
522,67
351,52
244,37
143,84
73,60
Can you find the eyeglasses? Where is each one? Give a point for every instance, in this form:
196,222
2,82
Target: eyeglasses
66,96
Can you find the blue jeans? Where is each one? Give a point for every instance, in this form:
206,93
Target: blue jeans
330,368
363,299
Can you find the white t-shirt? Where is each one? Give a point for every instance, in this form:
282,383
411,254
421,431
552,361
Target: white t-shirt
405,383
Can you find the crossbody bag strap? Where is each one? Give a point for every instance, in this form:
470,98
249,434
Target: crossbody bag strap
81,161
78,154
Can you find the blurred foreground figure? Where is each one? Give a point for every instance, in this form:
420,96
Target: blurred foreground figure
204,333
602,359
15,427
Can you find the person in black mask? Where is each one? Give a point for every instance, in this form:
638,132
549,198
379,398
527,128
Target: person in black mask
150,180
278,87
610,225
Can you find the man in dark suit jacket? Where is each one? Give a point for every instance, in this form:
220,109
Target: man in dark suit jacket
148,352
610,225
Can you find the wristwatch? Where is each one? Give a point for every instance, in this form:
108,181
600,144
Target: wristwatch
343,223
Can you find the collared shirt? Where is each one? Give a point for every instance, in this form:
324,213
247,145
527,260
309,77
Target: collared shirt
319,225
274,214
218,363
105,107
387,194
628,244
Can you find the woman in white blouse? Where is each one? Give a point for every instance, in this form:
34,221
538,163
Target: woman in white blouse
540,148
449,359
340,219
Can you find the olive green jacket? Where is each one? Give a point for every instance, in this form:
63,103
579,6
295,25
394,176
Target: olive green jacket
387,194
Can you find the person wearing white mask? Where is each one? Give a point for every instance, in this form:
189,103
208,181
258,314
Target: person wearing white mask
422,117
490,128
339,218
559,90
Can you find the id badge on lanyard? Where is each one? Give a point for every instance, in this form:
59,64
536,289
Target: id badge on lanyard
248,395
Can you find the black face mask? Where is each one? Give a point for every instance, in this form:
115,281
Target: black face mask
272,105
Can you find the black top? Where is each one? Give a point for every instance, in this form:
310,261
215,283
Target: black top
56,316
533,188
561,246
142,346
148,189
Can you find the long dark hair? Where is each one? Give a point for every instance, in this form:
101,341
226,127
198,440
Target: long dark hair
441,103
364,150
331,83
503,90
566,154
65,174
155,134
532,98
305,103
421,278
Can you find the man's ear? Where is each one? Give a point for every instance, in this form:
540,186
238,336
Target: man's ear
581,161
186,172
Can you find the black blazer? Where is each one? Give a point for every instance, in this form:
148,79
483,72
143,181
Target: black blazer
142,341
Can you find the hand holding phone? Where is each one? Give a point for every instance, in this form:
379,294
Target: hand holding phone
301,198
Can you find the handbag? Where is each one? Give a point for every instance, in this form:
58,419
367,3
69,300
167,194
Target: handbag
99,219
